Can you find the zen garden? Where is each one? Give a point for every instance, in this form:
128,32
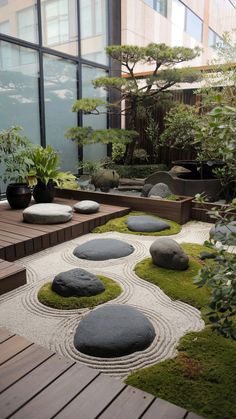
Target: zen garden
129,266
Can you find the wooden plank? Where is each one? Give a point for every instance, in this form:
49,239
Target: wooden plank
93,400
58,394
5,334
27,387
11,347
162,409
131,402
24,362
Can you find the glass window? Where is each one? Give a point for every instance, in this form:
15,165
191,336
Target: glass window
149,3
5,27
19,102
59,22
193,25
94,30
26,24
21,20
60,93
213,38
95,151
161,7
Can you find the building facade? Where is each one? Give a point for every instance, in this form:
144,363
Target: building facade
51,50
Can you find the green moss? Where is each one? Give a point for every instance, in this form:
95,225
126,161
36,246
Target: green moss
50,298
118,224
178,285
202,377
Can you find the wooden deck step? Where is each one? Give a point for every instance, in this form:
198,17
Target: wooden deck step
36,383
19,239
12,276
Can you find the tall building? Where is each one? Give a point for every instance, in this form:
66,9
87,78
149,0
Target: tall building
51,50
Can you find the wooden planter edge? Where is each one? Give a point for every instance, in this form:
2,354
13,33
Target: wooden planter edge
178,211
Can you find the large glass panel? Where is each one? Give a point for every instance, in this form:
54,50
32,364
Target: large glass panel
19,102
193,25
94,30
93,152
59,23
18,18
60,93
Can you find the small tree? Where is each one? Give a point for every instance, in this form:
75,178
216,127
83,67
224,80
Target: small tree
135,98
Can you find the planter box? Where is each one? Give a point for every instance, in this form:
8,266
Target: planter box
200,211
179,211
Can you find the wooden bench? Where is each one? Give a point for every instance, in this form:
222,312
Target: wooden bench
38,384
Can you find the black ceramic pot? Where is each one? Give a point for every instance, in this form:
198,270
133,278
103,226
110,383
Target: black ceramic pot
44,193
18,195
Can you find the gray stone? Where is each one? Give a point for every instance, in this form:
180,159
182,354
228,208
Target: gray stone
47,214
77,282
146,223
224,232
113,331
146,188
160,189
86,207
167,253
103,249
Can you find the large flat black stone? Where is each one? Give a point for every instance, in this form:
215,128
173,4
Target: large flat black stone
113,331
103,249
146,223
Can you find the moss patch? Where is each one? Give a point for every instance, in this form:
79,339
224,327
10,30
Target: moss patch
118,224
202,377
178,285
50,298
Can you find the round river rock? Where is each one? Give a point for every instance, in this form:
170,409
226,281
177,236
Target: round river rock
113,331
47,214
77,282
167,253
160,189
86,207
146,223
103,249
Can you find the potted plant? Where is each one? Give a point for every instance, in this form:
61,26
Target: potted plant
14,156
45,174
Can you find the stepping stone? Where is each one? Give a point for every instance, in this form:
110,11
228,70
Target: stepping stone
86,207
103,249
146,223
160,189
113,331
168,254
47,214
77,282
224,232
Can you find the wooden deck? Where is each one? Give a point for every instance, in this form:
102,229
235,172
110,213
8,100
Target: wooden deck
38,384
19,239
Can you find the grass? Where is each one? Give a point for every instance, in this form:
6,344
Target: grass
118,224
202,377
51,299
178,285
